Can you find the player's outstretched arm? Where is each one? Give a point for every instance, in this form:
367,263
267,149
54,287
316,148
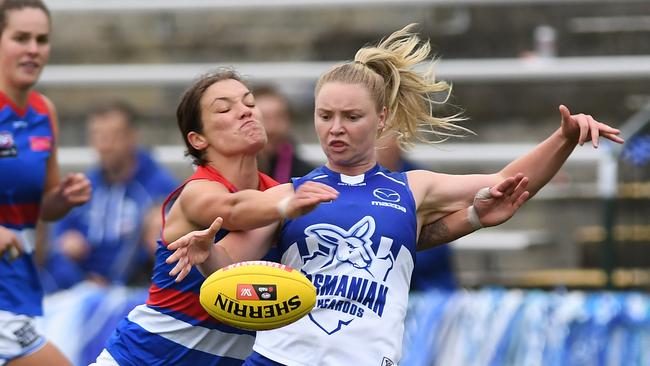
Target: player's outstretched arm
198,248
440,194
203,201
273,207
492,206
544,161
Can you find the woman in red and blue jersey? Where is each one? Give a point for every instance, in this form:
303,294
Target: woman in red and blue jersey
30,188
223,132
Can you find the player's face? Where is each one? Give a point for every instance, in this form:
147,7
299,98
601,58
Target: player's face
232,123
347,124
275,117
114,140
24,47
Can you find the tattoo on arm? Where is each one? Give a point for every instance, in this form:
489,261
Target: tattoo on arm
433,234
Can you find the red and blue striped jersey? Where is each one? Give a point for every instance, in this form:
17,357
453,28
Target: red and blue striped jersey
26,143
173,321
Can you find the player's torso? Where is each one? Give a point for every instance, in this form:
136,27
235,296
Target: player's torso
26,143
173,312
358,252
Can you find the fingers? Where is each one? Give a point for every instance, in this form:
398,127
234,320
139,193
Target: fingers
182,262
318,189
181,269
605,129
595,131
507,186
181,242
613,138
520,189
565,113
589,128
12,246
184,272
305,205
497,190
175,256
215,227
521,199
76,188
308,196
12,251
583,124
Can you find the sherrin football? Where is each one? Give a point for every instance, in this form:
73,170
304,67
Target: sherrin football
257,295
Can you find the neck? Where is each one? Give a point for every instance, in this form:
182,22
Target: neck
122,172
17,96
391,163
240,170
351,170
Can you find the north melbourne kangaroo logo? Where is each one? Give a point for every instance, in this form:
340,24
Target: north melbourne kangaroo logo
353,291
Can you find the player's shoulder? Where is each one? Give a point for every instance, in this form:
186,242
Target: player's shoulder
317,174
385,176
41,103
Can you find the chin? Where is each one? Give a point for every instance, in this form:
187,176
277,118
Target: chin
257,146
26,83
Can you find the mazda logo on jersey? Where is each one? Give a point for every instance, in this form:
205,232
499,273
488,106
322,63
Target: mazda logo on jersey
386,194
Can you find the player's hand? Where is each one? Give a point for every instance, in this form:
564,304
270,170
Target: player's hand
190,249
307,197
583,127
497,204
75,189
74,245
10,244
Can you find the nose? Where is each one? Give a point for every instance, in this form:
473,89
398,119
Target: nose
245,111
32,46
336,127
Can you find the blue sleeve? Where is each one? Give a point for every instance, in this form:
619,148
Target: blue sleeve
162,184
71,221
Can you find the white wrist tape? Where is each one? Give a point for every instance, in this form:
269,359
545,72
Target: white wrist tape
472,215
283,204
473,219
482,194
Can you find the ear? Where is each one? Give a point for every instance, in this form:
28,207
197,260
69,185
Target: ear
197,140
382,119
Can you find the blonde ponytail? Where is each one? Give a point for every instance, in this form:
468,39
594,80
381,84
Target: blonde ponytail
388,72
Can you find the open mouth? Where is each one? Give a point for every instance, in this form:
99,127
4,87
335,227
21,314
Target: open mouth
29,66
337,145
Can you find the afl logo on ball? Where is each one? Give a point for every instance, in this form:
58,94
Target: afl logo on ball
256,292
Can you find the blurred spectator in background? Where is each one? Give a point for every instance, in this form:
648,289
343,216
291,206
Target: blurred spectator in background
278,159
103,240
433,267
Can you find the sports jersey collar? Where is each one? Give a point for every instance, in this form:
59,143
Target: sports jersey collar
352,179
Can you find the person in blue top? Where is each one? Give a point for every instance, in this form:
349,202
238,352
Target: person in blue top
358,250
434,267
30,184
279,158
103,240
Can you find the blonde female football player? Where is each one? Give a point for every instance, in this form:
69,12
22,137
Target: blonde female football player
358,250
